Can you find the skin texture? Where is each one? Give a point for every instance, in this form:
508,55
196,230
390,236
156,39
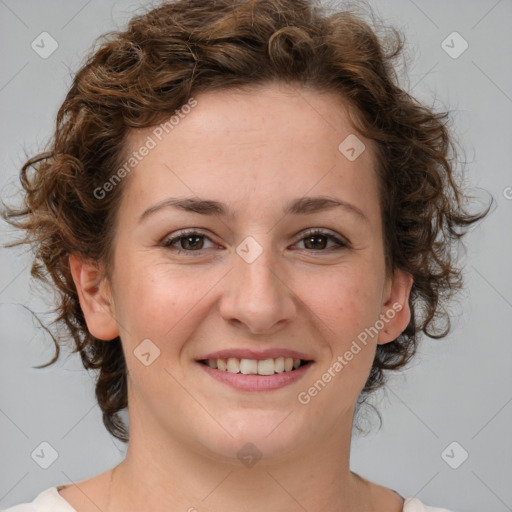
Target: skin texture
254,152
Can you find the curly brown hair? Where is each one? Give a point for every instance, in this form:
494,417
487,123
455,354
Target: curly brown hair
136,78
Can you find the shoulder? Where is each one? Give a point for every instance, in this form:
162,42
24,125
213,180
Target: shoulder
415,505
48,500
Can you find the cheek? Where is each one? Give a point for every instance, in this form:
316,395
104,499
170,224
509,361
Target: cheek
348,305
346,299
347,308
159,300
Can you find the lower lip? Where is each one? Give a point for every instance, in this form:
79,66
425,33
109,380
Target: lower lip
257,382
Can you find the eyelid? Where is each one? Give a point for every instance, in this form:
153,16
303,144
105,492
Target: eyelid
327,233
340,240
174,237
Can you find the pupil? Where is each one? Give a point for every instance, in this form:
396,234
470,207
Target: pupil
188,238
316,237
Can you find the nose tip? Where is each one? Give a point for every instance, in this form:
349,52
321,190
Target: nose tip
255,294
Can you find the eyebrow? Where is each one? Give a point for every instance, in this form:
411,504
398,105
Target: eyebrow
300,206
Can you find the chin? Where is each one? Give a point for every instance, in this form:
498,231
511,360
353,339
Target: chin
255,433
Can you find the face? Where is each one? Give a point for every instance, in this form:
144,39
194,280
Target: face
253,282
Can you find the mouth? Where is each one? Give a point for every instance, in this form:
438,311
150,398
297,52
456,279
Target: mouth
256,371
263,367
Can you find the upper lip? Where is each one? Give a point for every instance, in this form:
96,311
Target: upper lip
259,355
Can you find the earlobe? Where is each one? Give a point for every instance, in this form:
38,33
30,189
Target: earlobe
396,312
95,297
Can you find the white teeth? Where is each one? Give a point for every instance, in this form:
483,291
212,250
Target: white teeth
266,367
233,365
249,366
255,367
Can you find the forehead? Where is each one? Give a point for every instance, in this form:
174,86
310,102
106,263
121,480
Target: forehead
261,114
251,145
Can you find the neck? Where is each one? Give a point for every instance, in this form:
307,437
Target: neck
170,476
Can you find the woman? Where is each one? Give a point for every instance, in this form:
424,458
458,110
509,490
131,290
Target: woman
247,221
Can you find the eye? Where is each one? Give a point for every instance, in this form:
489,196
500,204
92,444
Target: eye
316,234
192,241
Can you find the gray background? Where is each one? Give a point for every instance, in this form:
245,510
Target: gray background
458,389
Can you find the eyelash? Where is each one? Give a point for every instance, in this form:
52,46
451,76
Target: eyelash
313,232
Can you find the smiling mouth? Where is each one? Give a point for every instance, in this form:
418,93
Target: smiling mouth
271,366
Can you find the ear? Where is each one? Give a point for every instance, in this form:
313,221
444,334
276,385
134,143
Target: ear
95,297
395,313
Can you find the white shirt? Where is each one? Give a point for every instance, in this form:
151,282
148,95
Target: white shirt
50,500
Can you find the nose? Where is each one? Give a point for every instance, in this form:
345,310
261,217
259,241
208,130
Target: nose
257,295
